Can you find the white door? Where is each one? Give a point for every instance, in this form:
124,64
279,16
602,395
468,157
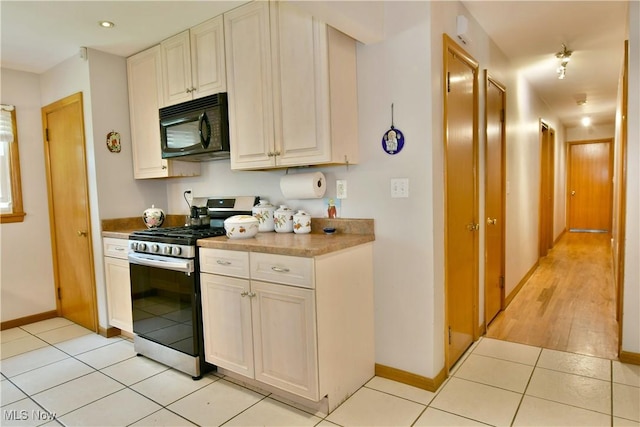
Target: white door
208,75
284,330
118,293
226,318
301,86
249,85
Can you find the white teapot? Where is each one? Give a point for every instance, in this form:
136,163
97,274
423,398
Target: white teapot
153,217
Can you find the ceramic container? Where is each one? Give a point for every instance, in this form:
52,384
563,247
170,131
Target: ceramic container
241,226
302,223
153,217
283,220
264,211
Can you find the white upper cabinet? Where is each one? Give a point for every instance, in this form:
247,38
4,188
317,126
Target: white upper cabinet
145,98
193,63
292,89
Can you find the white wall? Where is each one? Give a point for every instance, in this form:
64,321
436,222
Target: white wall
27,290
631,307
408,265
587,133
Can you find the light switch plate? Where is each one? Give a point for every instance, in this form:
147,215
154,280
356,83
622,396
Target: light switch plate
399,188
341,188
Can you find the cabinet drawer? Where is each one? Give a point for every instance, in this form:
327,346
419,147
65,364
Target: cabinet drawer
228,263
289,270
116,248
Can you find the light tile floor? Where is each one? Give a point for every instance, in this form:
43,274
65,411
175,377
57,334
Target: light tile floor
57,373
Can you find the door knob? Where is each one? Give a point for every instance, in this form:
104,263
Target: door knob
473,227
492,221
573,193
82,234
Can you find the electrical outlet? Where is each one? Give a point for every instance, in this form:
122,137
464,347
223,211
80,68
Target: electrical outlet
341,188
399,188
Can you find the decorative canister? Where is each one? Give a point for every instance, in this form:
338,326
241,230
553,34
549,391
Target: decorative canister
302,223
283,220
153,217
264,211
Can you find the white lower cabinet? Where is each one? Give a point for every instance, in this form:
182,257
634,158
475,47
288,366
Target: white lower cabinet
269,332
116,271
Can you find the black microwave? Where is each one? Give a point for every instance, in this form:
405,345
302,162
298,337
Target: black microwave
196,130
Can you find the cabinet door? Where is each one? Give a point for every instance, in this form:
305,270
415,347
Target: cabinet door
176,69
118,293
226,319
301,77
285,340
145,97
249,85
208,74
144,75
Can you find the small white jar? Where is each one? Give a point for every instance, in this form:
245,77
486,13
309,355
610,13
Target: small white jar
283,220
263,212
302,223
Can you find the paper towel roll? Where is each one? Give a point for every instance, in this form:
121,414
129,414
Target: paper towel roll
303,185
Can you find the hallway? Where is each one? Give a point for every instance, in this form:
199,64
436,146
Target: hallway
568,304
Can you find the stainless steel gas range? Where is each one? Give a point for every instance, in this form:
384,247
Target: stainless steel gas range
165,286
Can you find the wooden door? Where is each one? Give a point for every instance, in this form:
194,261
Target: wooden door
461,222
494,198
250,86
301,86
176,69
284,337
226,320
69,210
207,58
590,186
545,232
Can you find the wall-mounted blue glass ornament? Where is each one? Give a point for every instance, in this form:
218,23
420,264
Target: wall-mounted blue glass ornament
393,139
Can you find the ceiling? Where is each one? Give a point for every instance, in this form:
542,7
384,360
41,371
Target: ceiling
37,35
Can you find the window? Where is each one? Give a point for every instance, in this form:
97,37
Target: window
10,188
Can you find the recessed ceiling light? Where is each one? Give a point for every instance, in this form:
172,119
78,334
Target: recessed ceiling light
106,24
586,121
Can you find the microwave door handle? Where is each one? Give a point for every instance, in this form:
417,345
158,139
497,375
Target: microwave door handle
205,137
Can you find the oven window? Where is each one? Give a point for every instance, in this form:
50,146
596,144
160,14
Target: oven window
164,303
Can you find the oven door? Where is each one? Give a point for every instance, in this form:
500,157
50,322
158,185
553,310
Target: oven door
165,300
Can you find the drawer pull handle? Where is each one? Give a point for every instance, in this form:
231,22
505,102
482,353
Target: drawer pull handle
280,269
119,249
223,262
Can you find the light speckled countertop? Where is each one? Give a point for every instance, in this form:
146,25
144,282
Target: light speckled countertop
350,232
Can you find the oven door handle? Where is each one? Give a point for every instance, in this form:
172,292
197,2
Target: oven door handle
166,263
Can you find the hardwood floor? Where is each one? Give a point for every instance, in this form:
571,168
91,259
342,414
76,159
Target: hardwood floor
568,303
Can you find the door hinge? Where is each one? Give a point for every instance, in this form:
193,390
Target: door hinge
46,134
448,81
502,115
501,282
449,335
59,293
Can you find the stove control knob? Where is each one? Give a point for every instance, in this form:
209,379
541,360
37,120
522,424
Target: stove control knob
155,248
176,250
166,250
134,246
142,247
